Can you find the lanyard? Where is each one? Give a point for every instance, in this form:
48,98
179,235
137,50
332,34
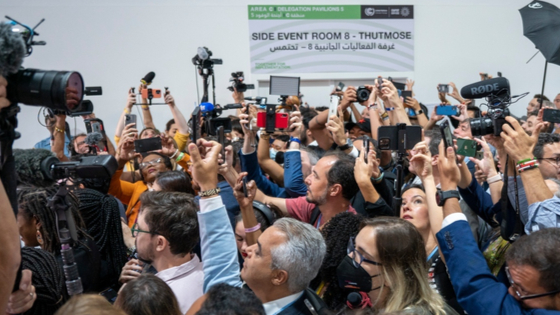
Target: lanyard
319,221
432,253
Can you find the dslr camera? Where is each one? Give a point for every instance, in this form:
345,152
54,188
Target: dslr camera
497,94
237,83
362,94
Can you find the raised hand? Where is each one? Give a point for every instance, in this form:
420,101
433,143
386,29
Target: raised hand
348,97
205,166
448,169
421,161
239,194
517,143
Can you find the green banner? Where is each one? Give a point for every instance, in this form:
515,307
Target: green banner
304,12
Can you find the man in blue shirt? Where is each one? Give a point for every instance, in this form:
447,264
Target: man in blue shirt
46,143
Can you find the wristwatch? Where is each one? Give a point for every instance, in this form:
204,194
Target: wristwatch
442,196
209,193
344,147
419,112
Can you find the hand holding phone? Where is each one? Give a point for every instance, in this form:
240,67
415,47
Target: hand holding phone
366,146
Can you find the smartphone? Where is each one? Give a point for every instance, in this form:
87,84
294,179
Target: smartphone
446,134
447,110
340,86
245,187
380,83
221,140
270,124
196,124
466,147
443,88
151,93
333,106
551,115
282,120
147,145
261,119
129,119
94,125
390,137
366,146
215,123
406,94
109,294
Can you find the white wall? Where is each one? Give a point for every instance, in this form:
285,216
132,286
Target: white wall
113,43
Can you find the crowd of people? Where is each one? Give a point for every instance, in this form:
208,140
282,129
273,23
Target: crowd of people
301,220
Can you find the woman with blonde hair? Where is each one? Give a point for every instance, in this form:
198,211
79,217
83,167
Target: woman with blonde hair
386,262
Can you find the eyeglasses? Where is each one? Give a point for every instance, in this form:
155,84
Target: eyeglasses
526,297
554,160
135,231
152,162
357,258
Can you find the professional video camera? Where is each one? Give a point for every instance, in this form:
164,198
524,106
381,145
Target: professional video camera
202,59
95,166
497,94
237,83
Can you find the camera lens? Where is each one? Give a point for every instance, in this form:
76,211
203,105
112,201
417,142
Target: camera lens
57,90
362,94
482,126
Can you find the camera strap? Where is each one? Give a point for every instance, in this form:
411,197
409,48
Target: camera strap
511,227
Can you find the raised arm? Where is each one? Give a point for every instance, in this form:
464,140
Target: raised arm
269,166
246,206
146,114
128,108
391,99
58,135
180,121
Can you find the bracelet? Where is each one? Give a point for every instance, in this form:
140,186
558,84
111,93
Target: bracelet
389,109
126,110
374,105
145,107
528,167
174,154
180,157
494,179
58,130
526,160
524,163
384,115
294,139
253,229
378,179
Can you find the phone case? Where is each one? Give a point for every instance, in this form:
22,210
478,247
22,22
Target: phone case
551,115
446,134
447,110
155,93
270,123
261,119
129,119
466,147
147,145
282,120
333,106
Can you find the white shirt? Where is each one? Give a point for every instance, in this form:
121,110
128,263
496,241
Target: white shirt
186,281
274,307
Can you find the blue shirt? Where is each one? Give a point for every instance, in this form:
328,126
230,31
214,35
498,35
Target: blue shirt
544,214
46,144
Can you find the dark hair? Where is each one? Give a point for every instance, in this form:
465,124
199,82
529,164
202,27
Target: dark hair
71,148
173,216
307,113
148,128
224,299
274,212
236,126
539,96
101,215
166,159
540,251
284,138
169,123
27,162
336,232
147,295
178,181
413,186
33,202
533,113
48,280
544,139
342,172
319,109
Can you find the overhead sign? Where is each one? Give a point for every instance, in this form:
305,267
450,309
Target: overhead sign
331,38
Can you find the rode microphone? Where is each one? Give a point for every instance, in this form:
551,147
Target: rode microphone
202,53
148,78
496,87
13,50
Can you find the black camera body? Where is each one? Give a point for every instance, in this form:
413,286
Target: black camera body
237,83
362,94
202,59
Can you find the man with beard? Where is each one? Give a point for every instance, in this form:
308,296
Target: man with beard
330,186
166,233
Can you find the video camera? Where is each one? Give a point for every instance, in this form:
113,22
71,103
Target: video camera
86,167
497,94
202,59
237,83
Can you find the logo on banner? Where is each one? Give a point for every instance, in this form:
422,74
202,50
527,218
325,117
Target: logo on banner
535,5
405,11
370,11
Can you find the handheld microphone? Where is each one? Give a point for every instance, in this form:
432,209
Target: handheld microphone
486,88
206,107
13,50
93,138
148,78
358,300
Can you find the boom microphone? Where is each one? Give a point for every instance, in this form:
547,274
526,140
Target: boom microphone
93,138
202,53
148,78
13,50
33,167
482,89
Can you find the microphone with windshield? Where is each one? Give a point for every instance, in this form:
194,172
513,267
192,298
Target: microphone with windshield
148,78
